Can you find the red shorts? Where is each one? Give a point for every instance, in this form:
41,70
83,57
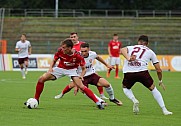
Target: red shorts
92,79
21,60
143,77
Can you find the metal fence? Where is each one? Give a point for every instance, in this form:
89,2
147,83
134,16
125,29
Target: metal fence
91,13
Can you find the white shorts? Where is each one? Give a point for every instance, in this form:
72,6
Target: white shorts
115,60
60,72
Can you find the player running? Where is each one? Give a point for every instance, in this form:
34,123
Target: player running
23,47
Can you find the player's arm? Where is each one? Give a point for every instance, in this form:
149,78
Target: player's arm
17,49
159,74
103,62
83,72
109,51
52,65
125,54
29,50
56,57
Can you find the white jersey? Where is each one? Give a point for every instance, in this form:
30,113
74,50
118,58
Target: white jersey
23,46
89,63
143,56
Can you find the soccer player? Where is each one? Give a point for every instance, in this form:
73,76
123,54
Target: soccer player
135,70
76,46
69,61
23,47
114,47
91,77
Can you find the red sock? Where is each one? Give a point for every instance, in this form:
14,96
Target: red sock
66,89
109,71
100,89
90,94
39,89
117,70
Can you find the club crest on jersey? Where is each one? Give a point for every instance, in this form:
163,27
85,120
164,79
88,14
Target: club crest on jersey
90,61
74,59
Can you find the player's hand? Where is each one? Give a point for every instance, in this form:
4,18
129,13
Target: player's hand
110,67
50,70
132,58
81,77
76,90
162,85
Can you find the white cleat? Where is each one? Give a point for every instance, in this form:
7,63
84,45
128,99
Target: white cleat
23,77
103,97
136,107
167,112
59,96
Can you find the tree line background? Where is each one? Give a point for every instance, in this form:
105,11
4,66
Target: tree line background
94,4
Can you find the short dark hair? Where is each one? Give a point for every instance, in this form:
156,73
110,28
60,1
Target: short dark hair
143,38
115,34
84,45
73,33
68,42
23,34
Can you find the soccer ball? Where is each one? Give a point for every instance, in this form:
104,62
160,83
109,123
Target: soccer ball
32,103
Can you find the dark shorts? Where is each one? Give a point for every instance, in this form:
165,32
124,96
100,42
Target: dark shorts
21,60
143,77
92,79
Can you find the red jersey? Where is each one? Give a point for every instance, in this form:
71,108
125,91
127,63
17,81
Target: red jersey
115,48
69,61
77,46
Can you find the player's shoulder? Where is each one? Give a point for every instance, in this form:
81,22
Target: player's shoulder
92,53
18,42
81,42
77,52
27,41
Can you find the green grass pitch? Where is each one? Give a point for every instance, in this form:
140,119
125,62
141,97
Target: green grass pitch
79,110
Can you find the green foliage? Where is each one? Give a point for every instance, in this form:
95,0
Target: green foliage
79,110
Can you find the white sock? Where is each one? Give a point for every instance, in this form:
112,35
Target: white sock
100,100
158,97
110,91
22,72
129,94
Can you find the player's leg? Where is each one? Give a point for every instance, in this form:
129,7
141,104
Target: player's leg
158,97
21,65
117,71
148,82
65,90
101,92
104,83
117,63
26,65
128,82
87,91
40,84
112,62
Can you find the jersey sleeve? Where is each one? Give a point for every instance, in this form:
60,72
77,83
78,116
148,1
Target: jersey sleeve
29,44
56,55
154,58
17,45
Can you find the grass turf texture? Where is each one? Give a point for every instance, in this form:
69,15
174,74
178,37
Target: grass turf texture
80,111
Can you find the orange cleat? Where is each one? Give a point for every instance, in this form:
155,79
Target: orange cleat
117,77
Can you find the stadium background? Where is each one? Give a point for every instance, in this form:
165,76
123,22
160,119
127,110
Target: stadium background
45,28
